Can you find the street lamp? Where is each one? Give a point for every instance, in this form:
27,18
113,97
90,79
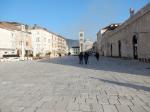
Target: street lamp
22,49
22,42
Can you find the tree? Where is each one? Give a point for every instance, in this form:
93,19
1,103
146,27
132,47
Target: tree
48,54
38,55
30,55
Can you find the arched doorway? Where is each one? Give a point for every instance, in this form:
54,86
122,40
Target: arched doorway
111,50
119,48
135,45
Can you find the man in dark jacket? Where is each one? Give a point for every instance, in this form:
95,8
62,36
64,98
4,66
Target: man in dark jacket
81,58
86,57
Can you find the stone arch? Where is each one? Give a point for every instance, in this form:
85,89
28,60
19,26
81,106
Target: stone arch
135,45
119,48
111,50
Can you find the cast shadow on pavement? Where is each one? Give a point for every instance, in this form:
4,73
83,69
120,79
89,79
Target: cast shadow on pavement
134,86
104,64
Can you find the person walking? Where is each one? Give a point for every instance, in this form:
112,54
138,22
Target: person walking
81,58
86,56
97,56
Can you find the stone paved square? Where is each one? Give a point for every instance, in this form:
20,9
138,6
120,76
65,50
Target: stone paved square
63,85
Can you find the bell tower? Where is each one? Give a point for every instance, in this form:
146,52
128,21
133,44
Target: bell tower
81,40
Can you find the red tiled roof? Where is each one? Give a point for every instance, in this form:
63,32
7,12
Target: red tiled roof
8,26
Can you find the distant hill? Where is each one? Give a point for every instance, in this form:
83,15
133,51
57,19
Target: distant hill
72,43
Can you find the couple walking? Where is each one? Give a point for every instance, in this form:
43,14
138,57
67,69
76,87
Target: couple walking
84,56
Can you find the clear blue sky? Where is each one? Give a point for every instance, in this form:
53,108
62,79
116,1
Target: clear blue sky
67,17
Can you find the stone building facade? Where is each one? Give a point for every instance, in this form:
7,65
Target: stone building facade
7,40
128,40
45,42
41,41
62,46
14,40
26,41
23,43
88,45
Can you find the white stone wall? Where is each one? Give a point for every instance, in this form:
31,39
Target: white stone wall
7,42
41,41
87,45
44,42
7,39
99,43
138,25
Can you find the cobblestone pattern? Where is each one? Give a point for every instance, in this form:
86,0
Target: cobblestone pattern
62,85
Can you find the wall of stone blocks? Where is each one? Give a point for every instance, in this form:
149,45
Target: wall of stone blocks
138,25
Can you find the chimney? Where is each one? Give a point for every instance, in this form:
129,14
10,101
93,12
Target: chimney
22,27
131,12
35,26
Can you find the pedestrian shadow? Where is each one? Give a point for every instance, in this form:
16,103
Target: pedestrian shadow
104,64
134,86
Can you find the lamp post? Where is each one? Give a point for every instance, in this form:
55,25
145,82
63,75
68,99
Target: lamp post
22,43
22,50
